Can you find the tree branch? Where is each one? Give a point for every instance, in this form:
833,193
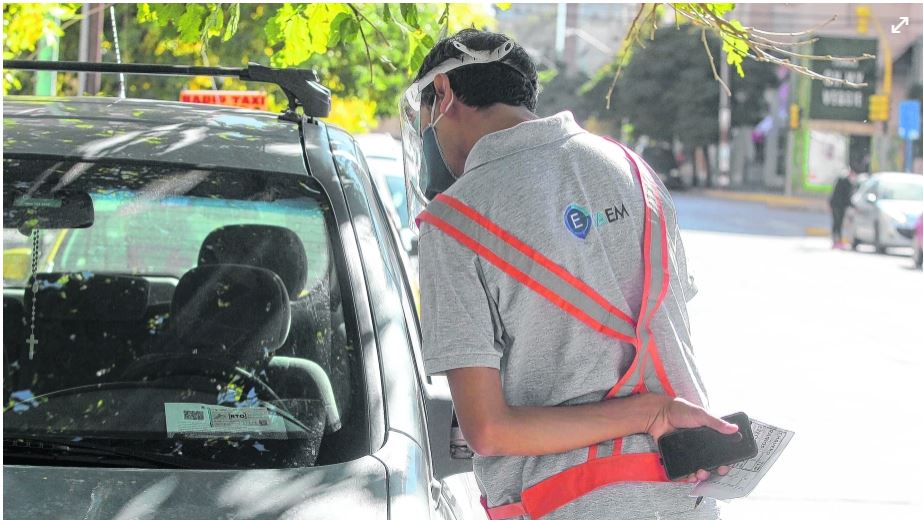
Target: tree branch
715,73
795,34
360,17
627,44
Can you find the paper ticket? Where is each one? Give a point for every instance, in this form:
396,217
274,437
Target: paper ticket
744,475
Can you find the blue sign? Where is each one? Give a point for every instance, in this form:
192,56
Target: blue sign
909,120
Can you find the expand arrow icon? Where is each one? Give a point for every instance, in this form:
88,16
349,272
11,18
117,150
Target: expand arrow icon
897,29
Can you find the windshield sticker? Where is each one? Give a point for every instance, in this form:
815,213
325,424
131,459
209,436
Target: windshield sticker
195,420
23,400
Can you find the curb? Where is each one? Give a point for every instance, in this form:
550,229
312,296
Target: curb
773,200
817,232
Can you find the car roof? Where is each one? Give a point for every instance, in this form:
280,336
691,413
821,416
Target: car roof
151,130
897,177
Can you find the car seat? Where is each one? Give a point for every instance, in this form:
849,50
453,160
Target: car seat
312,336
89,327
226,322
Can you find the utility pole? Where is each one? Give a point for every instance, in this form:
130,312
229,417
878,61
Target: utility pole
566,20
561,26
724,126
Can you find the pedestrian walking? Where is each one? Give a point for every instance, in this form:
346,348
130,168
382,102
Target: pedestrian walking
839,202
553,294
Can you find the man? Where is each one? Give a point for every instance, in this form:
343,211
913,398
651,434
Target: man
839,202
548,283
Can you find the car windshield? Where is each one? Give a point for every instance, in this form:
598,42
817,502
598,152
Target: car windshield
180,317
901,190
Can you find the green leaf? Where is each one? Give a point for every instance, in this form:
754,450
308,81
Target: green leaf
297,39
336,28
234,16
386,14
166,13
189,25
276,24
409,13
213,24
417,58
319,24
444,18
349,30
720,9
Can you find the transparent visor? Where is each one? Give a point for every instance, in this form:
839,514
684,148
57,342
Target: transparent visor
412,127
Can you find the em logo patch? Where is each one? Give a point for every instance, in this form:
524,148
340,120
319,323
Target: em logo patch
578,221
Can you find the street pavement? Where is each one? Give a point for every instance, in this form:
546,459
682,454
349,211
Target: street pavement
826,343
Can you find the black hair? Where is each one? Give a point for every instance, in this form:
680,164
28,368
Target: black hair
511,81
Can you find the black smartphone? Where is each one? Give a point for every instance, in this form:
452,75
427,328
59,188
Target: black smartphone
689,449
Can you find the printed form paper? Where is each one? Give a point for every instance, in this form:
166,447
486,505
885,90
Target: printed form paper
744,476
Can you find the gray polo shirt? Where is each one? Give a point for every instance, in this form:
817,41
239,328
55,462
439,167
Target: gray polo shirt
525,179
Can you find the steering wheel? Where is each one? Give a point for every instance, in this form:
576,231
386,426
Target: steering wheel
155,366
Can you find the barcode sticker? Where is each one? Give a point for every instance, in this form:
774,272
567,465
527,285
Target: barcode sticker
196,420
193,415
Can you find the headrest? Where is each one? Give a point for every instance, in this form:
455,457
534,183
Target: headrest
236,311
271,247
87,296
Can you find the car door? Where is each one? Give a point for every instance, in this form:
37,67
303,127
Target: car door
864,204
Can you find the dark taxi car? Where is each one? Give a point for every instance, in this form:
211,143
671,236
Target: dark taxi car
211,319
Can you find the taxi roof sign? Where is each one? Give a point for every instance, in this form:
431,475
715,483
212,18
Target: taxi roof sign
254,99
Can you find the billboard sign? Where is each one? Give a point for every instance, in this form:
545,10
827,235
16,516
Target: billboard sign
836,101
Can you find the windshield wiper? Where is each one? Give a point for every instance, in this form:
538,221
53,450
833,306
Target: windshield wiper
35,448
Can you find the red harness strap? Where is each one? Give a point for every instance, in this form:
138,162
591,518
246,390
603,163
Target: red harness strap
528,266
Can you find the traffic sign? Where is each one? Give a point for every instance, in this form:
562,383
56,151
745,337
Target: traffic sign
909,120
879,107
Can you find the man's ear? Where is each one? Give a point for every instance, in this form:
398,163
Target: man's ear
444,92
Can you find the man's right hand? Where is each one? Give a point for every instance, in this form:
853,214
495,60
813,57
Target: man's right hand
675,413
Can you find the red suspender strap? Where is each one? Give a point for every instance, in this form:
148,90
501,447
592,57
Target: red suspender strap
536,256
577,481
498,247
505,511
652,198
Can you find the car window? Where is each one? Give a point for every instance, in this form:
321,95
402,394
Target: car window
384,273
392,171
195,322
899,190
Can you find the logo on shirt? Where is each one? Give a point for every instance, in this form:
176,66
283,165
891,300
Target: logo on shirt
579,221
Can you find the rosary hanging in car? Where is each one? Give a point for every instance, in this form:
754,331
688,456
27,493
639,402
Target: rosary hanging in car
36,254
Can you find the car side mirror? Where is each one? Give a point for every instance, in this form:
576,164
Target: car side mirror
409,241
448,450
871,197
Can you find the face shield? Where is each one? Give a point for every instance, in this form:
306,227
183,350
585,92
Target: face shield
412,126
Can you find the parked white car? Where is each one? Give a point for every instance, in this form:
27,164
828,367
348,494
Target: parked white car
884,210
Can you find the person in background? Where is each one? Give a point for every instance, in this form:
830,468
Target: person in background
839,201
